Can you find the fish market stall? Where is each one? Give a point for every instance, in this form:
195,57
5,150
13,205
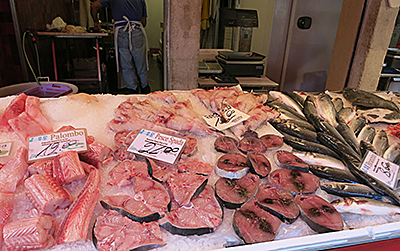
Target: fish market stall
81,170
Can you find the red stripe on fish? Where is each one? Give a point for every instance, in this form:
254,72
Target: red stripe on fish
69,168
97,154
32,108
14,171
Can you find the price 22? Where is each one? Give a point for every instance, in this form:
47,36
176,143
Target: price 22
57,147
154,149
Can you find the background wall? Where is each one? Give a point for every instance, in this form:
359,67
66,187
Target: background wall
155,17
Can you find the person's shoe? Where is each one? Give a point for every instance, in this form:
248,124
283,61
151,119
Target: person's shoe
145,90
128,91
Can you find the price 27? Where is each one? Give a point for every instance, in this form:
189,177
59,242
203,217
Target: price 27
153,148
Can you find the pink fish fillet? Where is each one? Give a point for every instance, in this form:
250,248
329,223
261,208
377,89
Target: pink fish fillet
24,126
97,154
15,108
75,225
13,171
69,167
123,173
42,167
46,194
165,96
6,208
184,186
32,107
30,233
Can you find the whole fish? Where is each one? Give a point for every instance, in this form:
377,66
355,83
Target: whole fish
296,98
364,206
367,134
366,146
380,142
287,101
300,123
344,189
381,188
277,104
368,99
338,146
308,146
392,153
326,109
357,124
310,107
319,159
296,131
380,115
348,134
325,127
338,103
347,113
333,173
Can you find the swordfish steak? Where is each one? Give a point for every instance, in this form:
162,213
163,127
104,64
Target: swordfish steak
295,181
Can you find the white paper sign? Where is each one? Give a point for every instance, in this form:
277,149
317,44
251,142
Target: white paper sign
158,146
231,117
380,169
5,149
52,144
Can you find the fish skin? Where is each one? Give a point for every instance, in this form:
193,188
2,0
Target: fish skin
357,124
365,146
392,153
334,174
300,123
353,165
337,145
380,142
281,107
380,115
364,206
337,103
347,114
287,100
368,99
345,189
296,97
305,145
310,107
325,127
75,224
314,158
296,131
348,134
326,109
367,134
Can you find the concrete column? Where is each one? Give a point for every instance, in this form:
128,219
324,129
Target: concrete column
183,43
372,44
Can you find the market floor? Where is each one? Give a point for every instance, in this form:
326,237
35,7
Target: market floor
154,79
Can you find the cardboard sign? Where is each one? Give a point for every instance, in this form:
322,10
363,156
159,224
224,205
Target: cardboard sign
380,168
52,144
5,149
230,117
158,146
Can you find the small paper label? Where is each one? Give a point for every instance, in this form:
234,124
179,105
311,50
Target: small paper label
380,168
155,145
230,117
5,149
52,144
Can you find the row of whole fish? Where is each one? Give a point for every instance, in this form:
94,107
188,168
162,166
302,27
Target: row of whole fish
318,125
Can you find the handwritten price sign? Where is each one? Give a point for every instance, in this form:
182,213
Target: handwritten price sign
230,117
380,169
52,144
158,146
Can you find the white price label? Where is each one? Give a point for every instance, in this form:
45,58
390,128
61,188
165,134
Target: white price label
5,149
158,146
231,117
380,169
52,144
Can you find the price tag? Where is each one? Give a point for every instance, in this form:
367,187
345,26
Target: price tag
231,117
5,149
158,146
380,169
52,144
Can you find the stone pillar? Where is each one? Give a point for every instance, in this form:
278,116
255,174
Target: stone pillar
372,44
182,42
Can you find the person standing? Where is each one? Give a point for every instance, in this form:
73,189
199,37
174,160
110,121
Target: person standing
130,17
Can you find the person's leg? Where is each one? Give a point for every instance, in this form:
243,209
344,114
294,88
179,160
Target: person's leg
128,69
139,55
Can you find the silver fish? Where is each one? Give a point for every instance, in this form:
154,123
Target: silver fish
286,100
366,146
364,206
345,189
326,109
380,142
348,134
367,133
392,152
338,103
319,159
379,115
347,114
357,124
